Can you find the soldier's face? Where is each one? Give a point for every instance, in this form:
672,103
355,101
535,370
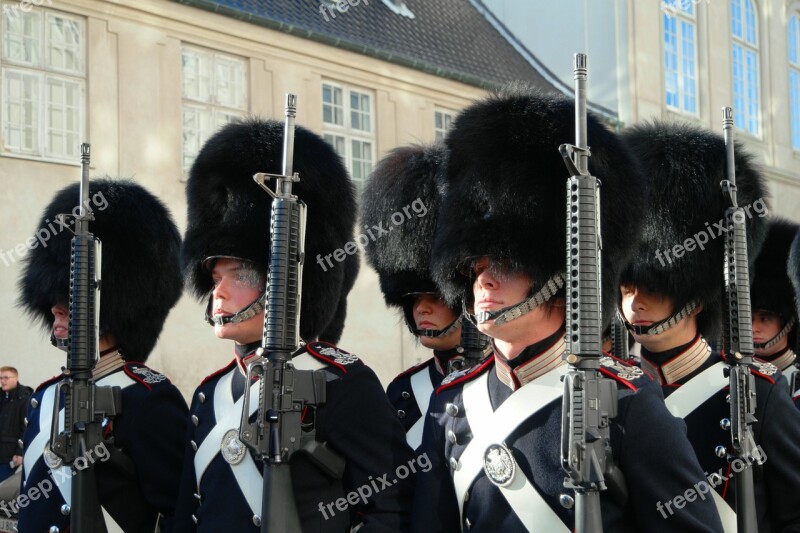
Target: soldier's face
60,321
644,308
236,286
766,325
430,312
495,287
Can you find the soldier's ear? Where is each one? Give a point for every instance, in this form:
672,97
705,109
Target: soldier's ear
697,310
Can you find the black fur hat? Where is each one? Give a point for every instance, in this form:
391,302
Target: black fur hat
685,165
141,275
229,214
794,275
770,288
507,191
333,331
406,176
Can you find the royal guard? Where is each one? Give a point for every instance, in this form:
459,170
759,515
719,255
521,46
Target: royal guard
138,472
772,297
227,257
494,431
407,178
671,298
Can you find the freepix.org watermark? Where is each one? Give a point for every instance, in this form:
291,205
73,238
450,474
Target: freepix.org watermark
701,238
45,233
11,11
367,490
45,487
702,488
417,207
327,8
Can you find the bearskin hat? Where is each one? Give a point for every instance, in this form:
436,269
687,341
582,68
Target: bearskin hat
794,275
684,165
507,191
406,176
140,272
333,331
229,214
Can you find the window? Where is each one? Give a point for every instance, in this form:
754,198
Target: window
43,87
680,55
348,125
745,66
214,94
441,124
794,79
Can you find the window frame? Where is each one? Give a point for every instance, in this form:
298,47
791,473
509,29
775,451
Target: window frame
744,45
677,11
348,132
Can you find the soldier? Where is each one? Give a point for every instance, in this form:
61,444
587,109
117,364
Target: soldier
671,299
775,329
226,253
493,433
407,179
794,275
138,477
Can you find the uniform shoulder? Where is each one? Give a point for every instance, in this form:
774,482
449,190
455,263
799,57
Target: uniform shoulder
144,375
47,383
464,375
333,356
624,373
218,373
406,374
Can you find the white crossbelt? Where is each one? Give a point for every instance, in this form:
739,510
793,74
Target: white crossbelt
491,427
684,401
228,415
422,388
62,476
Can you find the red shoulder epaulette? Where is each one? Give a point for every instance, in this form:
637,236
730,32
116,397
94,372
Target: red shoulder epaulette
143,375
414,369
218,372
49,382
333,355
466,374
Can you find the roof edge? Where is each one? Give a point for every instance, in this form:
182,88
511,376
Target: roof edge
398,59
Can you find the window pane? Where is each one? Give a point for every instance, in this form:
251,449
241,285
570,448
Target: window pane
688,66
670,61
359,111
332,105
752,92
197,128
21,111
736,18
22,36
196,70
63,118
793,40
229,80
750,19
738,87
337,141
794,95
65,44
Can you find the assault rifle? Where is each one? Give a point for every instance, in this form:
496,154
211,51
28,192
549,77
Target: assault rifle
285,393
590,400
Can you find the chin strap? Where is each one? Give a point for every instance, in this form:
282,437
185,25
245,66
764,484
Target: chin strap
437,333
776,339
61,344
245,314
507,314
662,325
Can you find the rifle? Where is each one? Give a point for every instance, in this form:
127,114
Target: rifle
590,400
277,433
738,340
85,404
619,339
473,342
